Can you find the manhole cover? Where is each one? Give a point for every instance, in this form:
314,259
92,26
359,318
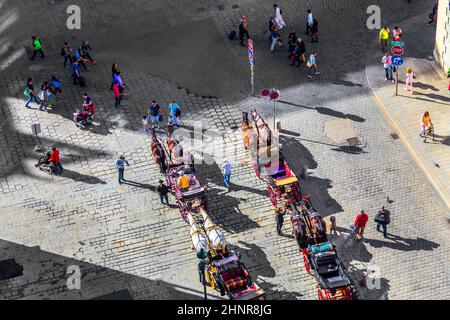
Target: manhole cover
353,142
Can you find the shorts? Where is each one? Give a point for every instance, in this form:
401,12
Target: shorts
154,118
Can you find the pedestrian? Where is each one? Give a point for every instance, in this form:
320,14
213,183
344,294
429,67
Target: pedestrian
55,160
76,73
278,17
85,47
279,219
383,218
433,14
81,59
163,192
37,47
66,52
383,38
175,113
29,92
409,79
56,85
275,38
154,112
115,70
117,94
425,125
144,122
271,25
45,97
226,173
88,104
312,65
388,67
120,165
292,40
243,32
118,78
300,50
360,223
315,31
309,21
397,34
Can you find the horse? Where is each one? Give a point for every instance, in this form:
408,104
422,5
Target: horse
299,228
319,227
198,237
175,148
215,236
158,153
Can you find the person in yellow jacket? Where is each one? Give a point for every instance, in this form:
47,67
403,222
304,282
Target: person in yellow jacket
383,38
184,182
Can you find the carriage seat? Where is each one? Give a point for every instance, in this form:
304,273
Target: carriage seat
235,280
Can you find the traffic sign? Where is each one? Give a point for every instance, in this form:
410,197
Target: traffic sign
397,50
398,43
397,60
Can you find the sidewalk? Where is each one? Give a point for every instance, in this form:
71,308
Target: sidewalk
405,110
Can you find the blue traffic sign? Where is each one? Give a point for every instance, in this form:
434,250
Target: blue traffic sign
397,60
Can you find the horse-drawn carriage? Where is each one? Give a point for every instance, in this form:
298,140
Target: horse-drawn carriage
227,274
268,160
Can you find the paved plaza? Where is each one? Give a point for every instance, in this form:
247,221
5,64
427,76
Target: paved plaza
126,243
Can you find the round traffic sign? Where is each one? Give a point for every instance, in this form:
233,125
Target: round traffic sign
397,60
275,94
266,92
397,50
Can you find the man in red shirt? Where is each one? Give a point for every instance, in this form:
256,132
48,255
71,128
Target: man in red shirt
360,223
55,160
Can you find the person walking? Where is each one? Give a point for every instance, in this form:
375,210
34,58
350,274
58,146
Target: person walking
45,97
76,73
29,91
309,21
360,224
226,173
66,52
117,94
278,17
37,47
56,85
425,125
243,31
55,160
88,104
85,47
315,31
397,34
279,219
300,50
154,111
81,59
312,65
383,38
118,78
120,165
292,40
115,70
433,14
175,113
388,67
409,80
275,38
163,192
383,218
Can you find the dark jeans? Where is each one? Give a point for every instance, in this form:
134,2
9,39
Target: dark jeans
67,58
30,99
384,44
164,199
244,36
118,100
384,226
389,74
280,221
88,56
59,168
121,175
35,53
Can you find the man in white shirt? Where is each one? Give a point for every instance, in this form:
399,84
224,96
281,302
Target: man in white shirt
309,22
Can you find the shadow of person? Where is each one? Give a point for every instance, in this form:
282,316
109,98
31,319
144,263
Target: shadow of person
424,86
403,244
254,257
81,177
139,185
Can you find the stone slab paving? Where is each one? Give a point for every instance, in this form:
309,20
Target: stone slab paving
123,239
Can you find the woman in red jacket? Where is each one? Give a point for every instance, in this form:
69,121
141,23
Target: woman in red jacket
360,223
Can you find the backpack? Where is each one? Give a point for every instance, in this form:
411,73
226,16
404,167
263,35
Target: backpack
232,35
380,218
26,91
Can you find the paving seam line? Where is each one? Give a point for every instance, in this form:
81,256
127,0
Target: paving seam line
408,145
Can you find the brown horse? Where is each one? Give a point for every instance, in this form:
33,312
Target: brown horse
158,153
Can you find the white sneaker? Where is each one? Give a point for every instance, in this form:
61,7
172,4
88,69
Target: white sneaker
385,79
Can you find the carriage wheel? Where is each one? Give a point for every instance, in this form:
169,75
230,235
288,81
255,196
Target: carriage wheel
297,192
319,293
272,195
306,262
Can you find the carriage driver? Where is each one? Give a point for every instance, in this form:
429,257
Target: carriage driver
184,182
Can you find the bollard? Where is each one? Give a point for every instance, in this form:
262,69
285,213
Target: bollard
363,281
333,223
278,126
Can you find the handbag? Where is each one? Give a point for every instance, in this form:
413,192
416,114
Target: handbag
380,218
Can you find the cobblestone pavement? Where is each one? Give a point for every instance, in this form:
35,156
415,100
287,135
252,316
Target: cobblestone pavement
128,244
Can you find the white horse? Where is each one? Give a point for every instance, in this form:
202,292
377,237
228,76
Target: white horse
215,236
198,237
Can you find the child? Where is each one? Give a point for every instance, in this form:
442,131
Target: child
144,122
55,88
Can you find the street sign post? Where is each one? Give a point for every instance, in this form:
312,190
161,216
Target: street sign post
398,50
251,59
